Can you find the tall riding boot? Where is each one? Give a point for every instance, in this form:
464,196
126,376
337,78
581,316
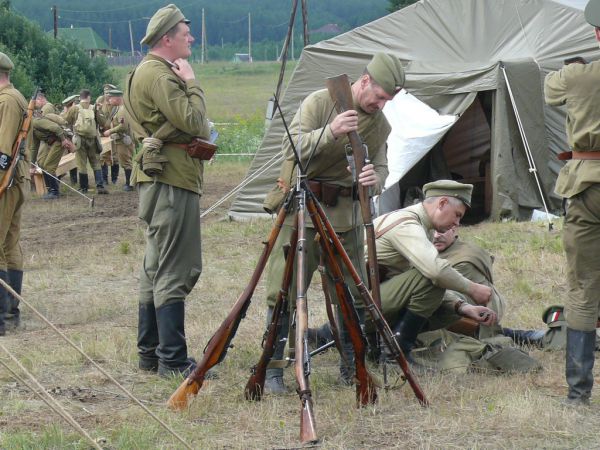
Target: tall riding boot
83,183
50,182
98,177
172,348
525,337
274,377
406,331
13,315
3,302
347,365
73,176
104,169
114,173
579,365
127,186
147,337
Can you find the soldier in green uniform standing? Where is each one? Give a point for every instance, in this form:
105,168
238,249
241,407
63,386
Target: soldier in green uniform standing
415,278
167,109
332,183
67,104
12,109
105,111
118,129
576,86
84,120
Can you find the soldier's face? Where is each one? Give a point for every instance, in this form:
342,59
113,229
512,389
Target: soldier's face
181,42
447,214
441,241
373,97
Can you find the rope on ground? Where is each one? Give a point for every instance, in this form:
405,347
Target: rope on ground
94,363
45,397
266,166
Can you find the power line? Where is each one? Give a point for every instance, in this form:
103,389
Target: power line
69,19
96,11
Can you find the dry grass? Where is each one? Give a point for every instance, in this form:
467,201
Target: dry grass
88,286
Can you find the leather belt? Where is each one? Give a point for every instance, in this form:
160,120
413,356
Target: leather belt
316,187
564,156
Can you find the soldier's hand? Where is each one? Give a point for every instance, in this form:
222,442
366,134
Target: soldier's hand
32,171
480,293
480,314
106,133
368,176
183,69
66,143
344,123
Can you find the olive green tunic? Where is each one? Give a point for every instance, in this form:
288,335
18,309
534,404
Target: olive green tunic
88,149
119,130
12,107
576,86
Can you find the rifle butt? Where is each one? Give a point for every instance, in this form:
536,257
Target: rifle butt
308,430
180,399
366,391
254,388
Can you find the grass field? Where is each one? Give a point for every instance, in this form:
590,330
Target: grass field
82,273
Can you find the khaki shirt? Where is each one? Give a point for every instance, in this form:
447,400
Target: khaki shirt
49,108
12,107
329,163
408,245
475,264
118,123
157,96
576,86
43,130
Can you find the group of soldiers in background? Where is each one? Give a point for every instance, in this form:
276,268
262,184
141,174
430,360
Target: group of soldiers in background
78,128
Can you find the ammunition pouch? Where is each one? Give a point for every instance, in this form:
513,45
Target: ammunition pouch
199,149
328,193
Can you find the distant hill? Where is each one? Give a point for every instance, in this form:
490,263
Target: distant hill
226,20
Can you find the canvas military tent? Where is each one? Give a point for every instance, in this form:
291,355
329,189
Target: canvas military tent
464,59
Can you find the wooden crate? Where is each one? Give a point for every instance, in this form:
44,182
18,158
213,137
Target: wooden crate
67,162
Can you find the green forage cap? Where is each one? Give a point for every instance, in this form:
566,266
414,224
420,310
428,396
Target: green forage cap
162,21
6,65
70,99
114,93
592,12
108,87
449,188
386,70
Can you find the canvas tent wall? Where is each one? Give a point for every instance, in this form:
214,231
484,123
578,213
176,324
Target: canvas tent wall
454,52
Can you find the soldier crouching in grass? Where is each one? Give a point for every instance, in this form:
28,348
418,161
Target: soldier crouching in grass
167,110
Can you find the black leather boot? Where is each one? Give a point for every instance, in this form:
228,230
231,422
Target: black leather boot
104,170
13,315
98,177
274,383
127,186
3,302
83,183
525,337
114,173
172,349
147,337
73,176
51,186
579,366
406,331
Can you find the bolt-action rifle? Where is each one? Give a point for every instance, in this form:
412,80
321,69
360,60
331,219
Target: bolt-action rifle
18,148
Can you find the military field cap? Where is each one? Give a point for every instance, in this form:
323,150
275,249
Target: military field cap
108,86
553,314
592,12
386,70
6,65
162,21
69,99
114,93
449,188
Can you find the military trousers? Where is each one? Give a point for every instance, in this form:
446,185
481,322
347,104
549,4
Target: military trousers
353,243
50,159
173,257
87,152
123,154
411,290
11,205
581,240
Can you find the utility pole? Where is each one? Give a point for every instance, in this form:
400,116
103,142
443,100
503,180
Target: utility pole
110,37
203,43
55,17
249,38
292,43
131,39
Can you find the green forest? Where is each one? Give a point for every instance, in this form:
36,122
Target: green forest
226,21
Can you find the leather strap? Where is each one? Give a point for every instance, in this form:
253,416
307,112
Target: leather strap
380,232
564,156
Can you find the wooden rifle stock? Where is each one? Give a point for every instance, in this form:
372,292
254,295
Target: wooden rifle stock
256,382
380,323
366,391
18,145
219,343
341,93
308,431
